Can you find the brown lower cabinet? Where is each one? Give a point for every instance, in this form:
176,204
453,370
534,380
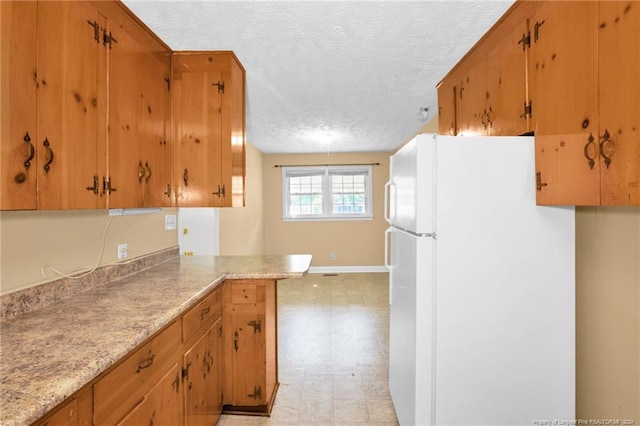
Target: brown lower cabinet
250,346
75,411
221,354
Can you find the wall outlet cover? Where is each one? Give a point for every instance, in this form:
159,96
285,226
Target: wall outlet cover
122,251
169,222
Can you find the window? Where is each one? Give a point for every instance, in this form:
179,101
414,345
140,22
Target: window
326,192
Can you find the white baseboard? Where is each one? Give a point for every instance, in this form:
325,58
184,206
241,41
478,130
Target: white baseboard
346,269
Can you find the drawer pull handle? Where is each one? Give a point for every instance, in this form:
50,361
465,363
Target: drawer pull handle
146,363
204,312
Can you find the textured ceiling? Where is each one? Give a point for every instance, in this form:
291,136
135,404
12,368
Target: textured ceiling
330,76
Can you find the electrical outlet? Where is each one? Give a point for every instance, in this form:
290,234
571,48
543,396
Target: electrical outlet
332,256
122,251
169,222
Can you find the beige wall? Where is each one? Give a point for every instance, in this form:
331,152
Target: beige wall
355,243
242,229
70,240
608,313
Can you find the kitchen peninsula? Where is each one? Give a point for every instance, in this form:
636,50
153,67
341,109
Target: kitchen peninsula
65,349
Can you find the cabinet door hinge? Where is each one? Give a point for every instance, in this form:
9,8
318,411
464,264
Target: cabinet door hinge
527,111
220,85
96,185
539,183
257,326
96,30
525,40
536,30
185,371
106,186
220,192
108,38
257,393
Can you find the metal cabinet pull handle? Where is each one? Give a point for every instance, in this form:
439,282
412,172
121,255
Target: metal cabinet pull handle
140,171
591,160
185,177
605,137
31,150
168,192
484,119
235,341
176,383
146,363
148,175
48,155
204,312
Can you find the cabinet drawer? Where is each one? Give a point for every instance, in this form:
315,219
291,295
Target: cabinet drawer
240,292
118,391
201,316
64,416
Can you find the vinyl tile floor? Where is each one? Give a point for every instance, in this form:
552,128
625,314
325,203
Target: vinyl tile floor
333,348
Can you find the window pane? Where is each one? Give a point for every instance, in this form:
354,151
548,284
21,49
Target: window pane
348,193
305,195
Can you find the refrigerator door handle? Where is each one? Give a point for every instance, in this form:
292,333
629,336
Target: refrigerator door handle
387,263
386,247
388,198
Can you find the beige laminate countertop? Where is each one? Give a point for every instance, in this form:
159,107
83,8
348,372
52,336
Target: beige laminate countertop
48,354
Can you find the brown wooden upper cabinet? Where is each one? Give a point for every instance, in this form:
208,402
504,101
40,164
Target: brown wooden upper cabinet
52,94
209,116
572,81
87,98
486,92
585,77
139,147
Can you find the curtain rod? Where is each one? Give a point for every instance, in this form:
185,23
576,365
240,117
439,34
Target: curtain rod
326,165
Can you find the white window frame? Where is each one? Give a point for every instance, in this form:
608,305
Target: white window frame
326,172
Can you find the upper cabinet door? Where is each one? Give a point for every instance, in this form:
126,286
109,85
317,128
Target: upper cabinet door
447,106
619,97
209,113
18,87
506,79
68,97
126,169
198,131
156,149
473,97
138,146
563,70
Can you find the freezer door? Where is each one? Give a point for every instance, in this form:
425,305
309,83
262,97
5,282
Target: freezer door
411,187
411,337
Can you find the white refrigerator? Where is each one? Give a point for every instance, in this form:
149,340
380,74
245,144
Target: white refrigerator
482,286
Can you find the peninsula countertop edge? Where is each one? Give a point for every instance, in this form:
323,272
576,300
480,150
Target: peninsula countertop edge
49,354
